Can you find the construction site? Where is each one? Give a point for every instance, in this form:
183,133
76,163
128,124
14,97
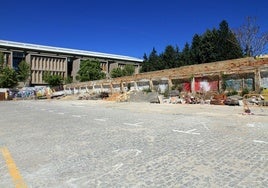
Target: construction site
171,128
232,82
225,82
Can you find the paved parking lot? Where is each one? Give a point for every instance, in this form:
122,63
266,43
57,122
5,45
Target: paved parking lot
105,144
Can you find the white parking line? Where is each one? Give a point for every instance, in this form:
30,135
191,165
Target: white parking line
100,119
76,116
61,113
204,125
260,141
187,132
134,124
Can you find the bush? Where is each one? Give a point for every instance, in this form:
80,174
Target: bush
52,80
231,93
147,90
245,91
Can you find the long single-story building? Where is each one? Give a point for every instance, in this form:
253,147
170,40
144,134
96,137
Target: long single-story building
60,61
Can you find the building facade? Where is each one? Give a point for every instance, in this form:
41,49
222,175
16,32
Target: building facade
59,61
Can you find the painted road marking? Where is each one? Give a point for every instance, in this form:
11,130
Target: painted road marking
204,125
260,141
76,116
13,170
99,119
187,132
134,124
61,113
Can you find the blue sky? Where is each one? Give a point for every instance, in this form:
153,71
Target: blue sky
125,27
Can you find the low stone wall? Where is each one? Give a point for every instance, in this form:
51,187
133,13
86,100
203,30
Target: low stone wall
234,74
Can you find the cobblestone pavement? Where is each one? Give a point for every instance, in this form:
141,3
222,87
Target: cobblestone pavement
99,144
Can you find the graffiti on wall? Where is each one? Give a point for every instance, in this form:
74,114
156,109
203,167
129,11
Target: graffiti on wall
204,85
264,80
239,84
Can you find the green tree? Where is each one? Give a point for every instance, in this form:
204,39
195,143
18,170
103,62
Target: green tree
195,50
128,70
1,61
228,46
68,80
208,46
186,55
154,61
8,78
90,70
24,71
52,80
145,64
170,57
116,72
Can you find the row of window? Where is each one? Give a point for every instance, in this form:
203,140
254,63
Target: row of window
48,64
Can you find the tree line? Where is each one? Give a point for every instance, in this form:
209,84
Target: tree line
213,45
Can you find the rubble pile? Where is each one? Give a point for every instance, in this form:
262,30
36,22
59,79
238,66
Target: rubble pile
118,97
171,97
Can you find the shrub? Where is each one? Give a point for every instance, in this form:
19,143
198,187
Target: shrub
147,90
244,92
232,92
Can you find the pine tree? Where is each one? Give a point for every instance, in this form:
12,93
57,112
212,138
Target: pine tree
145,64
170,57
195,50
154,61
208,46
228,46
186,55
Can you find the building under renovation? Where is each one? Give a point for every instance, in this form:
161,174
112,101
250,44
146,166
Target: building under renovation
59,61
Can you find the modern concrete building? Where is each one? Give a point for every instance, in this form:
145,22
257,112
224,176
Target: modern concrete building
60,61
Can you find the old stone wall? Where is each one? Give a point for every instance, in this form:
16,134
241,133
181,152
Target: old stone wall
235,74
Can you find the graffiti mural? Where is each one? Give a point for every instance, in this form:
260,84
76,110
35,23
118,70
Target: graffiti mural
264,80
203,84
239,84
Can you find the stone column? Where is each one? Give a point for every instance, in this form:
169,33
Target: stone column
76,67
193,85
122,87
65,67
111,87
170,84
257,80
107,68
220,82
33,77
10,60
5,59
151,84
29,61
136,86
